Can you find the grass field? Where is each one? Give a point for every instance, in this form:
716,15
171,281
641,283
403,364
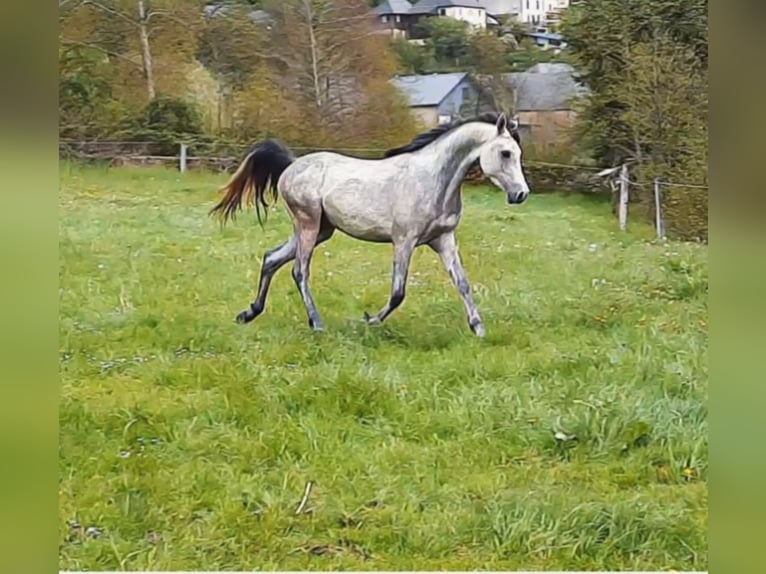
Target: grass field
573,437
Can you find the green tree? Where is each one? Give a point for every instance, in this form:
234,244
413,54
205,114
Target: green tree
413,59
600,34
487,57
448,39
645,63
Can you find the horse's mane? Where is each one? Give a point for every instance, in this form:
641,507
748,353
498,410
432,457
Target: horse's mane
426,138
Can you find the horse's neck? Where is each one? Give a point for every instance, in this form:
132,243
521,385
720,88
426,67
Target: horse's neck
454,154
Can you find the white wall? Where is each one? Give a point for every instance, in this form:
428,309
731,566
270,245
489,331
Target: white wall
533,11
476,17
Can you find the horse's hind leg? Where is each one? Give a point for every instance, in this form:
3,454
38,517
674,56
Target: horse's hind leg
273,261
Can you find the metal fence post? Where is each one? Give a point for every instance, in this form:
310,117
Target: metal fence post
182,158
659,223
623,197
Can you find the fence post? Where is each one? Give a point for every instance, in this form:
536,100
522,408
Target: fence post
659,223
623,197
182,159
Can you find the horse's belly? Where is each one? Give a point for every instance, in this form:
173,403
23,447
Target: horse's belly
358,215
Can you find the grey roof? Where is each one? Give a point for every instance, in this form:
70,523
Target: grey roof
544,35
545,87
392,7
430,6
428,90
257,16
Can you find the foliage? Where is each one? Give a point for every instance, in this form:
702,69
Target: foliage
306,77
231,45
645,63
448,39
188,440
414,59
87,106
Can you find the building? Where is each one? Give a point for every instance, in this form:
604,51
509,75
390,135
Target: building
436,98
393,17
544,99
532,12
547,40
471,12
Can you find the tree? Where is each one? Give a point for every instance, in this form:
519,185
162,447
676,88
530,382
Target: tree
413,59
325,54
448,38
600,34
132,32
488,56
645,63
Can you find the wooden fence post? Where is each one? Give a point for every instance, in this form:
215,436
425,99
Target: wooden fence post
659,222
182,159
623,197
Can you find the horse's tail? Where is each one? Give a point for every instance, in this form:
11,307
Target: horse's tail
260,169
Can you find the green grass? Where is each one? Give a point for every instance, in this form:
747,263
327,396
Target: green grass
188,440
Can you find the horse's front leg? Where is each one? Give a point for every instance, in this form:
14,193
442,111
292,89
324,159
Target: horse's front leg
446,246
402,256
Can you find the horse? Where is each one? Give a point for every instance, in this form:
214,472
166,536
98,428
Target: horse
409,198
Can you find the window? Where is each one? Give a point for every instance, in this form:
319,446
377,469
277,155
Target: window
537,4
443,12
398,18
384,18
466,92
527,4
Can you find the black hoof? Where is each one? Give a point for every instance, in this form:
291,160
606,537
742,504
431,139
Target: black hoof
478,328
316,326
371,319
245,317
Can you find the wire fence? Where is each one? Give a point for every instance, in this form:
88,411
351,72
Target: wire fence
216,153
225,156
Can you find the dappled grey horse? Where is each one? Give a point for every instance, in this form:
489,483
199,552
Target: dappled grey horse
409,198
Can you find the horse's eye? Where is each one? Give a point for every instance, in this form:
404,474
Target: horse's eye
506,153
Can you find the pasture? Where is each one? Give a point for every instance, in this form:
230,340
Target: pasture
573,437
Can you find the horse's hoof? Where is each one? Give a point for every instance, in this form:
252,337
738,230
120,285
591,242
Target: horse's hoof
317,327
478,329
245,317
370,320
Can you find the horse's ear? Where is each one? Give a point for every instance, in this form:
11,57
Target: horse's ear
502,123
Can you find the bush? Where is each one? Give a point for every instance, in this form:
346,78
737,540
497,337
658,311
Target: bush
166,122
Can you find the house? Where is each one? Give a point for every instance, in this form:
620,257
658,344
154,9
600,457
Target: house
436,98
469,11
546,40
544,100
533,12
393,17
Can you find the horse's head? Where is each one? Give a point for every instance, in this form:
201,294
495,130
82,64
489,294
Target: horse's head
500,160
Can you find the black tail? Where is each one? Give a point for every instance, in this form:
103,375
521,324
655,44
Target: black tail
261,168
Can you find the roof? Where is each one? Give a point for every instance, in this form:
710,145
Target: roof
257,16
392,7
545,87
544,35
431,6
428,90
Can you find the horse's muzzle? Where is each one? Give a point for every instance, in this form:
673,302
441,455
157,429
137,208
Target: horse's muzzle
517,197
